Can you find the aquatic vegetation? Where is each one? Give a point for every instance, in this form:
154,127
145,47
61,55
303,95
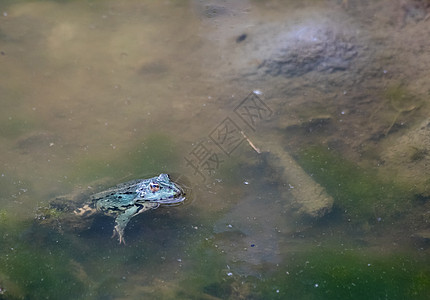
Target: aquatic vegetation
3,217
208,275
357,192
41,263
34,272
41,274
324,273
335,274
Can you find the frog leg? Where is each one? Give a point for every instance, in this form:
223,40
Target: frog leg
122,220
85,211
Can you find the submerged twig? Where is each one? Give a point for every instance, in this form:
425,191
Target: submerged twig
250,143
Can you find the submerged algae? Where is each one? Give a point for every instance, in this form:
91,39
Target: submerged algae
360,194
324,273
208,275
34,272
329,274
39,262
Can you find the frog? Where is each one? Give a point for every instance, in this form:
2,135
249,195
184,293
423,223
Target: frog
129,199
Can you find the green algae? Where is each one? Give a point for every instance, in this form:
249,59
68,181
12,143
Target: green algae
40,263
42,274
323,273
206,275
315,274
77,268
359,193
3,217
330,274
104,266
34,272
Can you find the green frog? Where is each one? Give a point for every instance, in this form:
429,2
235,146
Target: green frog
127,200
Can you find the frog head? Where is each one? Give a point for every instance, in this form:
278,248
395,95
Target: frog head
161,190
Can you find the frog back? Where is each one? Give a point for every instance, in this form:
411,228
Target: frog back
117,198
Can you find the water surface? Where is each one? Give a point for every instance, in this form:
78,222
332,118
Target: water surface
95,93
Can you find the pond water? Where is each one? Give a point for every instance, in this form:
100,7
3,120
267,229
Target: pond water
301,129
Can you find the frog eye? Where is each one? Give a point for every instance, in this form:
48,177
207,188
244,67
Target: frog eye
154,187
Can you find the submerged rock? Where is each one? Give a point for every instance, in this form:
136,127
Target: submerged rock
320,50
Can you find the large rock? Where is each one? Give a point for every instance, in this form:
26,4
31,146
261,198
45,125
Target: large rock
320,50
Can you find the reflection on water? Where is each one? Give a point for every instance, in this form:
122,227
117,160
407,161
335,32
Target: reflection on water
315,188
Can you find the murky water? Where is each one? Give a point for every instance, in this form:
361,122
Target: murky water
300,126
